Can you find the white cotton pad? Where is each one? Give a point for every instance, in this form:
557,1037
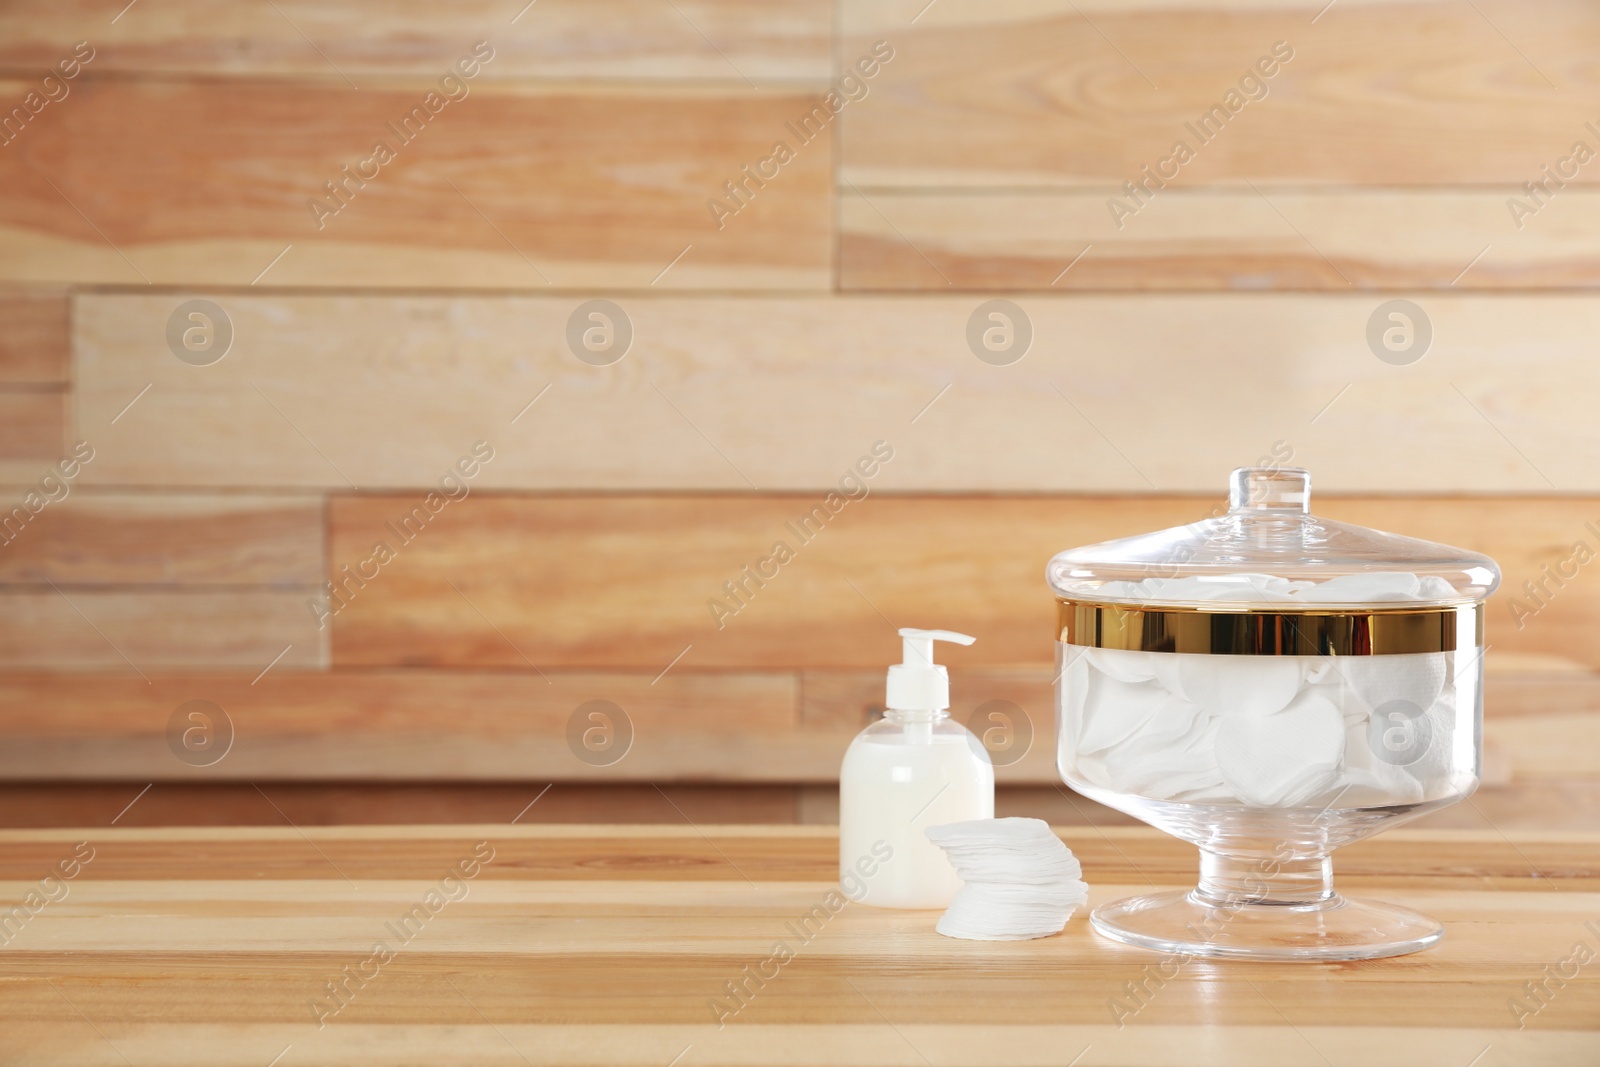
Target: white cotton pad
1435,588
1167,757
1282,759
1324,669
1072,687
1372,587
1124,666
1164,778
1368,787
1010,832
1114,711
1417,678
1376,587
1207,794
1166,669
1376,787
1257,588
1240,685
1019,881
1091,768
1366,780
1432,769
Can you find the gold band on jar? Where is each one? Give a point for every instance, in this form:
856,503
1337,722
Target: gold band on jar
1263,632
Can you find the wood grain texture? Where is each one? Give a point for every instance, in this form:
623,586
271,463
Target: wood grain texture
798,1040
80,804
461,726
711,40
344,803
1275,238
132,632
1033,94
776,393
736,853
595,944
584,581
418,726
33,424
516,187
1533,805
35,338
455,726
36,805
96,539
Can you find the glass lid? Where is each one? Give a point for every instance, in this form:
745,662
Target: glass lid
1268,549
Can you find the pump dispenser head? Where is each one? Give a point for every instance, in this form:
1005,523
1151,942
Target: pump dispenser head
917,683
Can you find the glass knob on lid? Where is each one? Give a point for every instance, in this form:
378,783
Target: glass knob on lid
1270,489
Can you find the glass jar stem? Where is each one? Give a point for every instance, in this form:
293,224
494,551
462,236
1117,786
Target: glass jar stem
1232,880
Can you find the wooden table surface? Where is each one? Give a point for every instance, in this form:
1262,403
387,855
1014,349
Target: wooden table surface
612,945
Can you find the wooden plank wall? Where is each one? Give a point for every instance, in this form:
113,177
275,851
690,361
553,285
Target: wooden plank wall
393,519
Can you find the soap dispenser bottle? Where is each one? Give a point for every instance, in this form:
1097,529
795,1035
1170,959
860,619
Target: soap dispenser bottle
913,769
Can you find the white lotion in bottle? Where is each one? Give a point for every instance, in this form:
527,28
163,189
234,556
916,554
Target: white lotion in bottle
914,769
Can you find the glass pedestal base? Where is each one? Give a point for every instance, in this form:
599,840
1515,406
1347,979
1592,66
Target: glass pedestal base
1334,928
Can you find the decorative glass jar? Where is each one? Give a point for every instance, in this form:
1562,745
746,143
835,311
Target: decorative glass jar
1269,685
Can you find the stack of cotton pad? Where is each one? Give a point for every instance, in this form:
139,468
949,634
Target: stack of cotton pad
1268,731
1019,880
